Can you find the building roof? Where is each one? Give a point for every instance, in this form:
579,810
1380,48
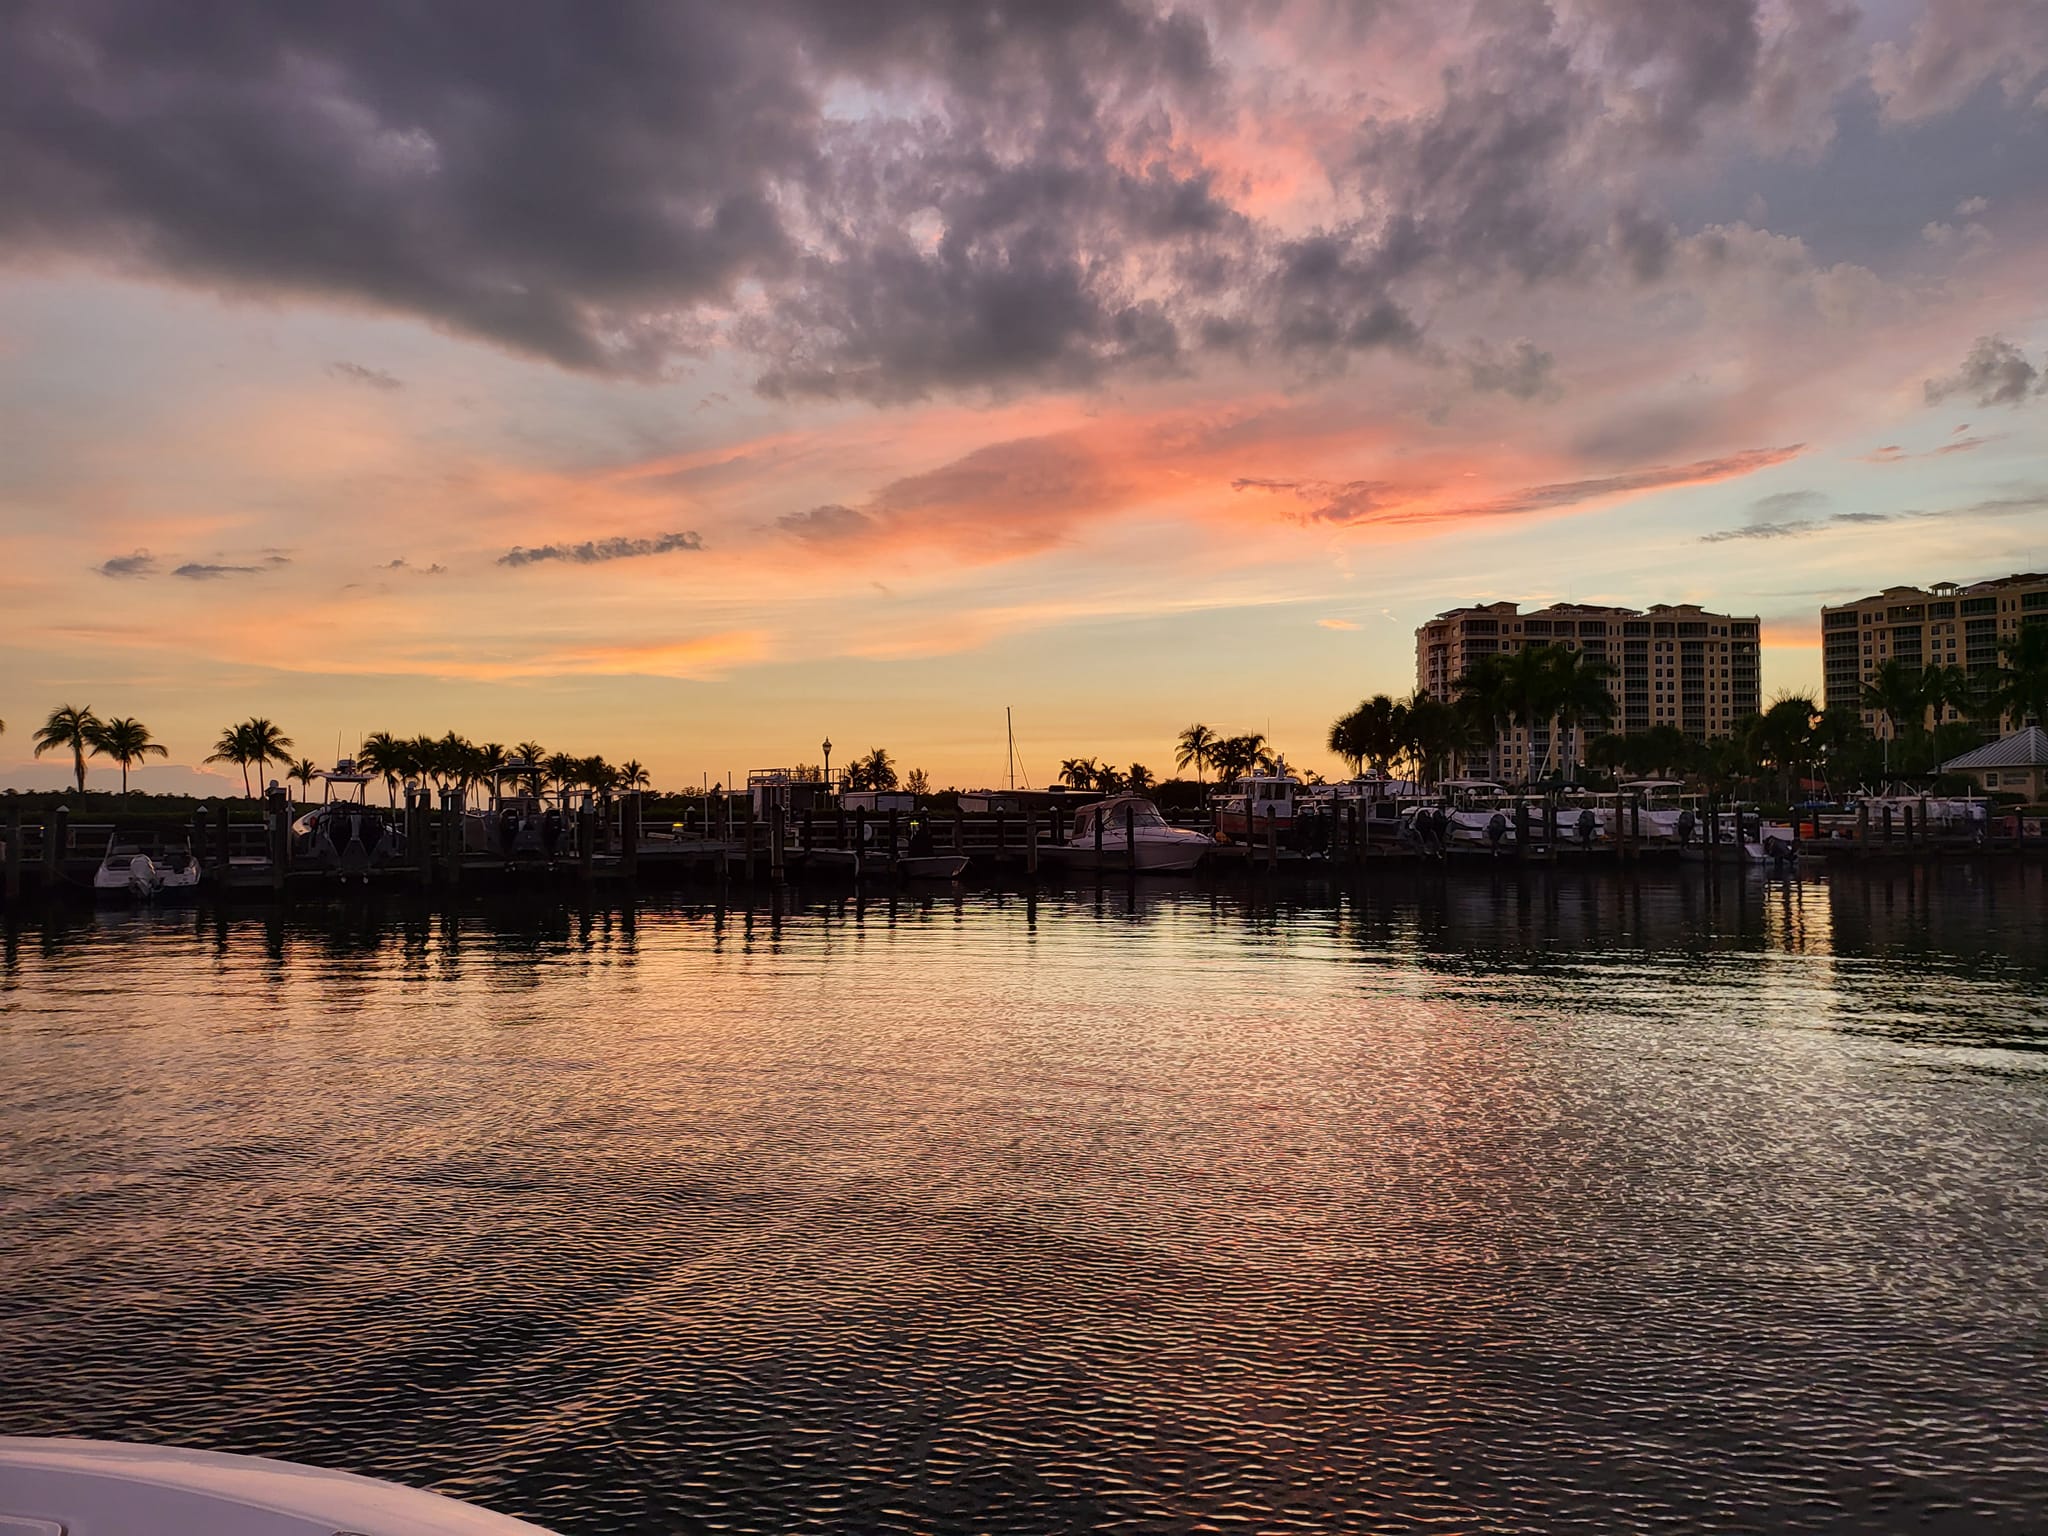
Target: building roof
2022,749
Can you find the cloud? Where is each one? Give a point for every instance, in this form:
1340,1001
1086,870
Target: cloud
1521,371
1345,624
1784,503
1894,453
141,563
402,564
1956,46
200,571
887,201
371,378
1995,373
827,524
596,551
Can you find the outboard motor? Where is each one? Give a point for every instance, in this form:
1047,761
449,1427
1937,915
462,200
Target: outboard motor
142,876
1685,828
1496,830
1776,848
1439,827
1588,824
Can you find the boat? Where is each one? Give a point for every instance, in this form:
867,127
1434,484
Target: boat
1656,817
1746,837
50,1487
1127,832
348,836
519,825
1255,804
132,872
1476,816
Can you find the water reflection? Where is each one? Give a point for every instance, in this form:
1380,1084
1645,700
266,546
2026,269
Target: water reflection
1495,1201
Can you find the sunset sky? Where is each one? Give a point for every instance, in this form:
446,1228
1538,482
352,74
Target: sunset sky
690,382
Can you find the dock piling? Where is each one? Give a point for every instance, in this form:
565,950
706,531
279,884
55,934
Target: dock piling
13,853
56,843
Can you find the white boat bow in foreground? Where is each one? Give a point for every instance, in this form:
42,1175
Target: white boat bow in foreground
52,1487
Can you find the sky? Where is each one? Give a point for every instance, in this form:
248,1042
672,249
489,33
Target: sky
692,382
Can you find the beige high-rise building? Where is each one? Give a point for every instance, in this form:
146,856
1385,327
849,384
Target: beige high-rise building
1674,664
1944,625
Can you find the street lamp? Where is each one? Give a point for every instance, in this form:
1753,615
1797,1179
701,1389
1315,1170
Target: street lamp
828,759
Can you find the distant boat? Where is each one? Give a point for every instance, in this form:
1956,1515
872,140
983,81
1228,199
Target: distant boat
1133,836
51,1486
1256,803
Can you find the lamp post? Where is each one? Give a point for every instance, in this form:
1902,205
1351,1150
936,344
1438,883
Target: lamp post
828,761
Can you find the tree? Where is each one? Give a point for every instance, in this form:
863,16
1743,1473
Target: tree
877,769
917,782
1579,694
69,729
2020,685
383,754
1235,756
1192,749
1485,698
267,744
304,772
1108,781
1374,733
1078,772
1783,738
1898,692
126,741
1437,730
633,776
1138,779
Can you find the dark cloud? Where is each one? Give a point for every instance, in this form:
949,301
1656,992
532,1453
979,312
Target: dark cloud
141,563
1522,370
1995,373
370,378
878,200
201,571
1780,504
402,564
1757,531
595,551
828,524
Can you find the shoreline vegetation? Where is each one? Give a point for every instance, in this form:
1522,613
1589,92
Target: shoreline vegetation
1557,697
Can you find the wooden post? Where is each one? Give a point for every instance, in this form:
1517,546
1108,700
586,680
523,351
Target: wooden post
451,834
892,837
1002,837
1863,826
586,843
842,828
1635,821
860,835
13,886
279,827
1923,819
807,833
197,837
56,843
1550,823
747,831
1031,845
629,834
1098,840
1131,838
419,834
959,829
1906,814
1351,828
223,839
1887,824
776,834
1272,836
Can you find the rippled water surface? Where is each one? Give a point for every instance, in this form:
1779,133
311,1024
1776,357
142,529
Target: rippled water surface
1473,1205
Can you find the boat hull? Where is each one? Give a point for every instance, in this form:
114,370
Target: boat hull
1174,858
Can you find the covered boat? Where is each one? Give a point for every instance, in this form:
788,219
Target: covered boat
1127,832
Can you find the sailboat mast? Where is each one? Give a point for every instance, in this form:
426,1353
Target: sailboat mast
1010,735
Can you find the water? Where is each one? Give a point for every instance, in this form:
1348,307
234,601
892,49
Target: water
1491,1205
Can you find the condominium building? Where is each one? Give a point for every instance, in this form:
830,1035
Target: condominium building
1944,625
1673,664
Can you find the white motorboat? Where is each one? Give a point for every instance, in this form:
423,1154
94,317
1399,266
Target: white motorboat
136,873
1127,832
1477,816
1657,818
126,871
52,1487
1746,837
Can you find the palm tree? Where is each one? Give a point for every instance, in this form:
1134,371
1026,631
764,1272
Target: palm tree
633,776
1950,689
1579,691
1374,733
1235,756
71,729
879,769
1783,737
1138,779
1437,731
1108,781
2021,683
304,772
383,754
267,744
233,747
1898,692
1192,749
127,741
1078,772
1485,695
